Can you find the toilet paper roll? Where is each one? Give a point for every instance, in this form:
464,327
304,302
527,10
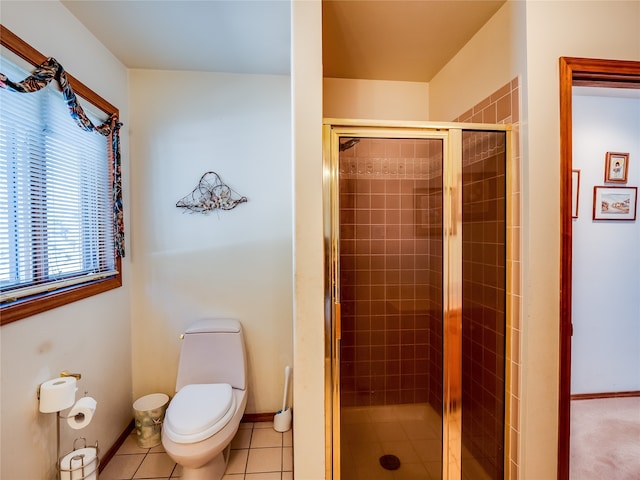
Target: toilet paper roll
57,394
81,413
80,464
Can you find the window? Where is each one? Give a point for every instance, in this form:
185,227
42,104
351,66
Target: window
57,229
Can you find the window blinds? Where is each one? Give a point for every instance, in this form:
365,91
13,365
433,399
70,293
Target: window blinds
56,216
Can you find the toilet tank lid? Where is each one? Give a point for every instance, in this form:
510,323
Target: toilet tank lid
211,325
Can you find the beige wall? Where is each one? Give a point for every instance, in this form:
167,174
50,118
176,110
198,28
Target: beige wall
306,81
234,263
596,29
491,59
91,336
178,266
375,99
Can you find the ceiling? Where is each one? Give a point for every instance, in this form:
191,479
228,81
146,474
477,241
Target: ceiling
408,40
405,40
241,36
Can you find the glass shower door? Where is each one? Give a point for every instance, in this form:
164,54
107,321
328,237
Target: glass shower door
419,332
391,263
483,303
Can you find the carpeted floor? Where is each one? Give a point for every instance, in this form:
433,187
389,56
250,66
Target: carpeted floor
605,439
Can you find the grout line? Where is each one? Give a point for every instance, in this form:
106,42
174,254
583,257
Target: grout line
138,468
246,462
175,467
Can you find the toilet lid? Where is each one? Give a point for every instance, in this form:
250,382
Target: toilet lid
198,411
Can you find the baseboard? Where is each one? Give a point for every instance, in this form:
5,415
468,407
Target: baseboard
592,396
258,417
104,459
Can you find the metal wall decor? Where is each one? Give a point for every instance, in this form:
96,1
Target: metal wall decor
210,194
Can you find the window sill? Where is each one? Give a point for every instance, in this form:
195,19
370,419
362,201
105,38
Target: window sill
26,307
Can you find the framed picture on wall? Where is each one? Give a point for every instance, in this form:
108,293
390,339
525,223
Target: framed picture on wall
575,192
615,203
616,167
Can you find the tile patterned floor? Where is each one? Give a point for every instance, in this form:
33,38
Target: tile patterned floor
258,452
410,432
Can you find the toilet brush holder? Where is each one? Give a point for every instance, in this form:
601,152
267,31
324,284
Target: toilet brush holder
282,420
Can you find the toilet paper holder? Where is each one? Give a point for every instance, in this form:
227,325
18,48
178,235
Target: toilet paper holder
87,468
60,418
64,373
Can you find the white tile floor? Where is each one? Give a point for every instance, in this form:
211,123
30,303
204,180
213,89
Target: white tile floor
258,452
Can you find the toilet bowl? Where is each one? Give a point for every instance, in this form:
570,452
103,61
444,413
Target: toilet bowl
211,396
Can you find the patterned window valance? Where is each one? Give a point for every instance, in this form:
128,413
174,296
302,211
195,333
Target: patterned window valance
39,79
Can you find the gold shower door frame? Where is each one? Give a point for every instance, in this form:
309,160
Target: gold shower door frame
451,136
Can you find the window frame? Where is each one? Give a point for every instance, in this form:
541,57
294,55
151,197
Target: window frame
42,302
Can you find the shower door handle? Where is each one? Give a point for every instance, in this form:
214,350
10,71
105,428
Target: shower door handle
338,321
453,210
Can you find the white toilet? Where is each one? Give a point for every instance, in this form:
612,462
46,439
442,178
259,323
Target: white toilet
211,395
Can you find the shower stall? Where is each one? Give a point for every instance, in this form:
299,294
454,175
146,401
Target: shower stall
416,293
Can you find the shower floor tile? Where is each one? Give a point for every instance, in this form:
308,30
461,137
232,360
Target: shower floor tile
411,432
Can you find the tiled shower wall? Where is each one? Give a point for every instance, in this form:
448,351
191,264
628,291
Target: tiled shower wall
503,107
391,272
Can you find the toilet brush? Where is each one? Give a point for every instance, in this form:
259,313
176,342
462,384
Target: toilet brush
287,372
282,418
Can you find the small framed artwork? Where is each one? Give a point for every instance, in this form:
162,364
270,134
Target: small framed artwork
615,203
575,192
616,167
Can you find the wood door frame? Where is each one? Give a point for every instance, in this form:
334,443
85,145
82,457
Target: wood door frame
576,72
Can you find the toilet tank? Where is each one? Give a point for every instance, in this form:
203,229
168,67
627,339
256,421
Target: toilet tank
213,351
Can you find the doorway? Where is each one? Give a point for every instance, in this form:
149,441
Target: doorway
416,294
590,73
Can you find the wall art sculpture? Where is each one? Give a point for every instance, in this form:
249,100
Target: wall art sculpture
210,194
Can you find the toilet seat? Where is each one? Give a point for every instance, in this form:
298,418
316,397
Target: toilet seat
198,411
